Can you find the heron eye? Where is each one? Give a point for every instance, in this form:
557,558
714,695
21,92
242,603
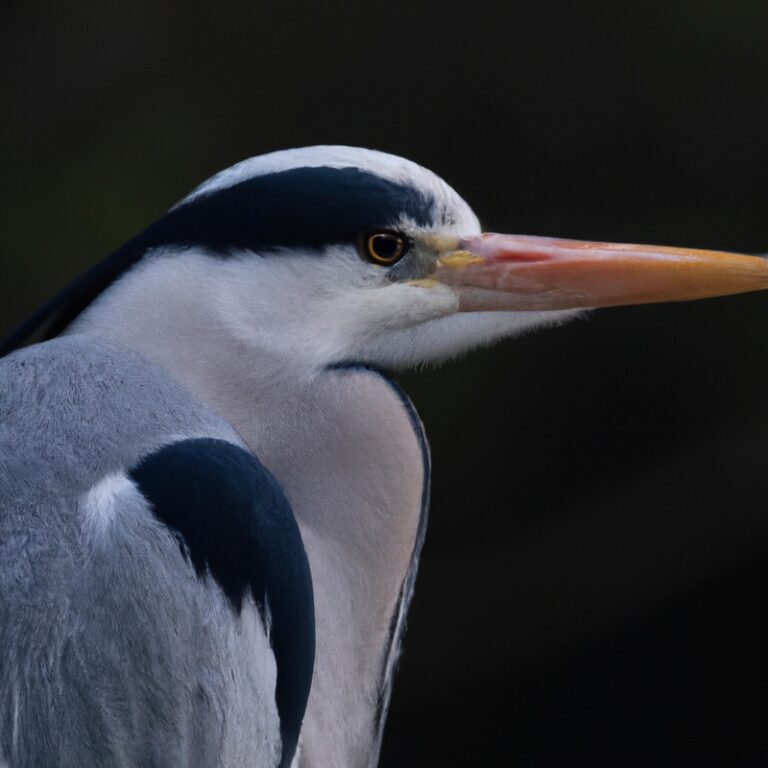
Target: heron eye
385,247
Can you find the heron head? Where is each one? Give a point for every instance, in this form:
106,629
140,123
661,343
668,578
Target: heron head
333,254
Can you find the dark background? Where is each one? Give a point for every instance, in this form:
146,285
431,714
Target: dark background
594,581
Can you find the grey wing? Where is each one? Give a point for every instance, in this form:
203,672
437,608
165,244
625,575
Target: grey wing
131,631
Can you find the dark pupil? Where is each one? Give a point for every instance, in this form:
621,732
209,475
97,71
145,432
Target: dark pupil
386,246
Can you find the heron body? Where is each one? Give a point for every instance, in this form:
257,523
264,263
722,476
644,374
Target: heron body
107,587
213,502
108,637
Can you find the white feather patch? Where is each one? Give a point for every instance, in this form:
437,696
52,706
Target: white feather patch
100,502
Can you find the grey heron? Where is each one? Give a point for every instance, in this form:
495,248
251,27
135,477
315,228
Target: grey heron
212,499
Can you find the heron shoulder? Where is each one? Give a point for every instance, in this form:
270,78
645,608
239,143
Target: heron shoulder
77,408
235,524
106,463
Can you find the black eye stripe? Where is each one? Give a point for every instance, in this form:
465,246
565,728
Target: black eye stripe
301,207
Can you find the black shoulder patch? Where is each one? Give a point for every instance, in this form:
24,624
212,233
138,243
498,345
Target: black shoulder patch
299,207
237,526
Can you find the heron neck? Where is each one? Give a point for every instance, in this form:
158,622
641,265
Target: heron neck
351,459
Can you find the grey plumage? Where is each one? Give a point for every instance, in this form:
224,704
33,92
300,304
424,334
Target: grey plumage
113,652
116,654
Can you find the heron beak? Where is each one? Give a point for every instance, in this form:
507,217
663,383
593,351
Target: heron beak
493,272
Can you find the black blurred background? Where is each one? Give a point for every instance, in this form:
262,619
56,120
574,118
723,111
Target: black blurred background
594,580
